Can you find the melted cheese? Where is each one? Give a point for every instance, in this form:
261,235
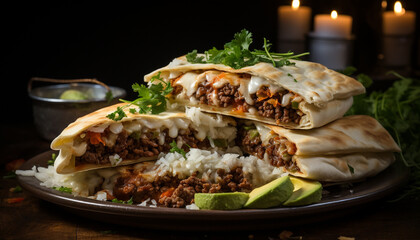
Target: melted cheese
188,83
265,133
224,78
257,82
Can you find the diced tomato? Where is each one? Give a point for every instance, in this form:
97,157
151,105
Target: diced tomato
95,138
14,200
15,164
238,109
218,77
264,94
167,193
273,102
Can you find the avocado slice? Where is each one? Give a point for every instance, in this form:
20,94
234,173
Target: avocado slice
221,201
305,192
271,194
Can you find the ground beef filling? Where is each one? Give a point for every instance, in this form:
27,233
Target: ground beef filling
173,192
134,146
229,96
279,150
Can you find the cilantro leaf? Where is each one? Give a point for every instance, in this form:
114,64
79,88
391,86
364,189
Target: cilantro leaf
129,201
53,157
237,54
175,148
63,189
150,99
117,115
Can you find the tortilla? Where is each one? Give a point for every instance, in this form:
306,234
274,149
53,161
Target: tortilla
323,95
73,140
349,148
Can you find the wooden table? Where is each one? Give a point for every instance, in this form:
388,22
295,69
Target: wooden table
37,219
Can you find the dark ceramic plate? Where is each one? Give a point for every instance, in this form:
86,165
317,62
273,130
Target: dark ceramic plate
341,197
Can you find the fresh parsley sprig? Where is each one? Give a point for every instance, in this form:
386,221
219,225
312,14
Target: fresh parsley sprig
175,148
237,54
63,189
129,201
151,99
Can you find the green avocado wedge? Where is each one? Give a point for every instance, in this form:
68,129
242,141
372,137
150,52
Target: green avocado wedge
271,194
221,201
305,192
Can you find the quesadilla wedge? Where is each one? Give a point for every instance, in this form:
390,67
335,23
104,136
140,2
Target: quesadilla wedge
349,148
303,95
95,141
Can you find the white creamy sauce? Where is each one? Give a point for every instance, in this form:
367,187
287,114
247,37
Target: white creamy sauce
265,133
174,74
116,128
99,128
244,90
257,82
132,126
188,83
79,149
231,78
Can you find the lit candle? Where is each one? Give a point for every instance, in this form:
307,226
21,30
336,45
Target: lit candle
334,25
293,21
399,21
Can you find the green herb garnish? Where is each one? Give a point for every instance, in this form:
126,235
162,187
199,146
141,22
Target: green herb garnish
52,160
129,201
236,54
175,148
295,105
151,99
63,189
290,75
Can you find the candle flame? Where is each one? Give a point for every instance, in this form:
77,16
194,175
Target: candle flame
398,9
295,4
334,14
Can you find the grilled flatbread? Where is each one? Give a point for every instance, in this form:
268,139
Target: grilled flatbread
348,148
95,141
304,96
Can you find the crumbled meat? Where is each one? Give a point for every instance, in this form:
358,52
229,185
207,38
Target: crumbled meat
175,193
132,147
229,96
279,150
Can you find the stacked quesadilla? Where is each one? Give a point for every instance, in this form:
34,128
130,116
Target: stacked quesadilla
282,126
228,129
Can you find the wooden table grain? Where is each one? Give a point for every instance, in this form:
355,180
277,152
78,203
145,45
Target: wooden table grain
37,219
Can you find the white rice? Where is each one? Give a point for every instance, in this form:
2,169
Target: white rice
82,183
206,164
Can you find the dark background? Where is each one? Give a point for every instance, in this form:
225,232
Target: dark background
118,42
